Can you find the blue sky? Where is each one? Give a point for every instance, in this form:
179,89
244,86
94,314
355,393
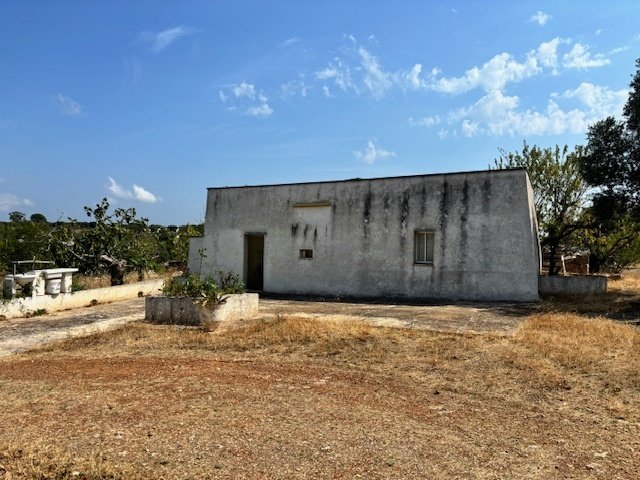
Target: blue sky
149,103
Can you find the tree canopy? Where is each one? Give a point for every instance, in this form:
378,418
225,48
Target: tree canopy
558,187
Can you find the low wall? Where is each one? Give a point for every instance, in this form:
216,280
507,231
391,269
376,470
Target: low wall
184,311
572,285
23,307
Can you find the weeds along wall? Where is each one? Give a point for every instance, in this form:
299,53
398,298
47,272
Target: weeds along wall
468,236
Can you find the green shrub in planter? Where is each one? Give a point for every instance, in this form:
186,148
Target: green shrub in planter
205,291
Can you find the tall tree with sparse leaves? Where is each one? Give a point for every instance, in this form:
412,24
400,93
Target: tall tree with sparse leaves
558,187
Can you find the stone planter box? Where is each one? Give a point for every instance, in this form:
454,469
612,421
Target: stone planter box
185,311
560,285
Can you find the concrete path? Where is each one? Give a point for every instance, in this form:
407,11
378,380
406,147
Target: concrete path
19,335
469,318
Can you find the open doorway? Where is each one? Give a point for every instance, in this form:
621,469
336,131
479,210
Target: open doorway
254,260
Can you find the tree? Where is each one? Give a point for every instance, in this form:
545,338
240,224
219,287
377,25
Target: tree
611,166
116,242
558,188
17,217
38,218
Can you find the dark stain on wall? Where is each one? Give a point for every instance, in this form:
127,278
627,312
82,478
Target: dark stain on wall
315,235
464,217
404,214
306,229
294,229
485,234
386,204
444,214
423,201
486,196
366,215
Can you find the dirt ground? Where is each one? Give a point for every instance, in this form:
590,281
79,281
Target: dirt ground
558,396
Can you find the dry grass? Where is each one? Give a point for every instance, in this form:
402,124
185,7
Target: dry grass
303,398
100,281
50,462
621,302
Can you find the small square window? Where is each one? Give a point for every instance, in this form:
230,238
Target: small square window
423,247
306,254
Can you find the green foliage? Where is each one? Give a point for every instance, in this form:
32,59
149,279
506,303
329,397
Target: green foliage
22,240
116,242
611,167
17,217
204,290
38,217
614,247
113,241
558,188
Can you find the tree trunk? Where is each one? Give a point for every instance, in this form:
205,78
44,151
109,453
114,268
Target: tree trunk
116,269
552,259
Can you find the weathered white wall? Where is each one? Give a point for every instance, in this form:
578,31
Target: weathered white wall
572,285
486,245
21,307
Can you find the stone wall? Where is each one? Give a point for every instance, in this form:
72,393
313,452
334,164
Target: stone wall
572,285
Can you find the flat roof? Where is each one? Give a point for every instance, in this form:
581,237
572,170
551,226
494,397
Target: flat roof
471,172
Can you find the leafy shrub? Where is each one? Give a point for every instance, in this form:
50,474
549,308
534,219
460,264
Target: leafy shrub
204,290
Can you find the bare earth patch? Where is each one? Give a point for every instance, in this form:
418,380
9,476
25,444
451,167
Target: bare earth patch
296,397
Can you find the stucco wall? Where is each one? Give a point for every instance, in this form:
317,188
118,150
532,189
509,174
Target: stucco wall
486,244
572,285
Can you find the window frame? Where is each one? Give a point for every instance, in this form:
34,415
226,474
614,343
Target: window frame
305,254
428,234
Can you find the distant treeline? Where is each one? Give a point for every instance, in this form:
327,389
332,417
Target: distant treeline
110,241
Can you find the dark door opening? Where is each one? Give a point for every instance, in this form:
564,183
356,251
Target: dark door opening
254,260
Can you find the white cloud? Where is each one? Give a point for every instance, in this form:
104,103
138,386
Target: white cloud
139,193
10,201
68,106
493,75
246,99
547,53
143,195
375,78
339,73
158,41
412,77
295,87
540,17
244,89
372,153
290,41
624,48
499,114
425,121
261,111
579,57
601,101
326,92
